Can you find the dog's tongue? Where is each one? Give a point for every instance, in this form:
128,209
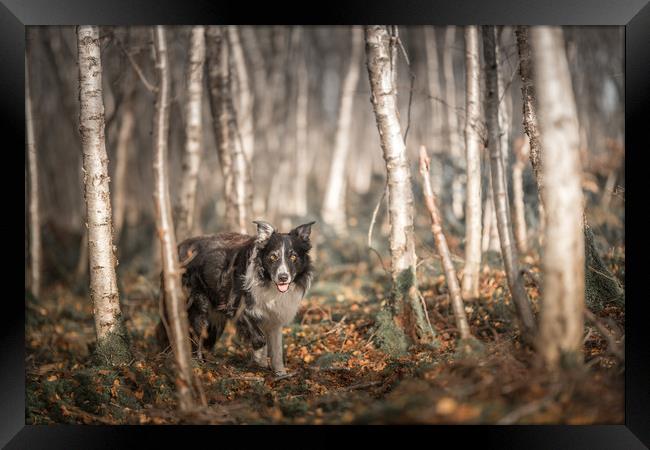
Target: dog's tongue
283,287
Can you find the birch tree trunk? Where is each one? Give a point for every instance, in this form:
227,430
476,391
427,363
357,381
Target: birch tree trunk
433,82
186,201
219,82
473,144
122,158
561,314
245,98
601,286
408,311
333,211
521,150
112,341
176,314
500,193
529,108
301,141
32,162
443,250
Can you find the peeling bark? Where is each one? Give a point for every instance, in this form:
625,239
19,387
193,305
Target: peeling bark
112,342
500,193
171,290
408,311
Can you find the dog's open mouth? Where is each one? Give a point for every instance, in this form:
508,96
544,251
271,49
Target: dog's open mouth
283,287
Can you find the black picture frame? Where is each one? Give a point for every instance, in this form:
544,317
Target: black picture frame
633,14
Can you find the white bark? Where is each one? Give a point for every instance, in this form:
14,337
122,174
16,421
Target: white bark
521,150
561,315
381,58
122,158
111,335
508,251
245,97
34,211
455,149
186,202
333,211
178,331
433,82
473,145
302,137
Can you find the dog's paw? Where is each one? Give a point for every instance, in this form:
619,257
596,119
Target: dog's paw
282,374
264,363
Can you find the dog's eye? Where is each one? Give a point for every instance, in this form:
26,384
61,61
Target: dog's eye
273,258
293,258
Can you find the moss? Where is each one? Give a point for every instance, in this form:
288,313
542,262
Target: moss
469,348
94,388
327,360
113,349
389,337
601,287
293,407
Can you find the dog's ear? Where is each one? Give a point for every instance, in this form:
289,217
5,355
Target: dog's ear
264,231
302,231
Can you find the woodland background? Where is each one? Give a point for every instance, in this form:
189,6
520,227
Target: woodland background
297,96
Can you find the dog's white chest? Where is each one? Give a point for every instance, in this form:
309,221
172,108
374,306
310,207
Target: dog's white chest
274,307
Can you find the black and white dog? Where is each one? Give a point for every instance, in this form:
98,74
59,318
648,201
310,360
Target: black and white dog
257,281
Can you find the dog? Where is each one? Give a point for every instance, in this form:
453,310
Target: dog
255,281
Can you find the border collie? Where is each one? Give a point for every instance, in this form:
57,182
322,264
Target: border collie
256,281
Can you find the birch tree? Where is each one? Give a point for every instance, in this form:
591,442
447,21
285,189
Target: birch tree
112,341
500,193
244,97
333,211
561,313
443,249
473,144
521,149
124,137
175,318
301,139
186,202
32,162
600,284
408,312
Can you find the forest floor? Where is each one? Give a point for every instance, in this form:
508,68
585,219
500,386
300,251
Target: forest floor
339,374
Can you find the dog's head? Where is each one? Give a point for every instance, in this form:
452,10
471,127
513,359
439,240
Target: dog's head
284,257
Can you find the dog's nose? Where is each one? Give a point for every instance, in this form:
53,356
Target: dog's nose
283,277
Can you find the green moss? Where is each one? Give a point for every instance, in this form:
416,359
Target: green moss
113,349
601,287
469,348
389,337
293,407
327,360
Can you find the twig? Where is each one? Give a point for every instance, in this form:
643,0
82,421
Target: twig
613,347
372,226
527,409
150,87
332,330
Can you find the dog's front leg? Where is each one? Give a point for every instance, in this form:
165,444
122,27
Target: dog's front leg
275,351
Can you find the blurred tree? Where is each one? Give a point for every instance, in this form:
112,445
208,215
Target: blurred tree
500,193
561,312
473,145
333,210
186,201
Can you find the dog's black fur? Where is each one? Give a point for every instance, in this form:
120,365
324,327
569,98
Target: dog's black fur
214,280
